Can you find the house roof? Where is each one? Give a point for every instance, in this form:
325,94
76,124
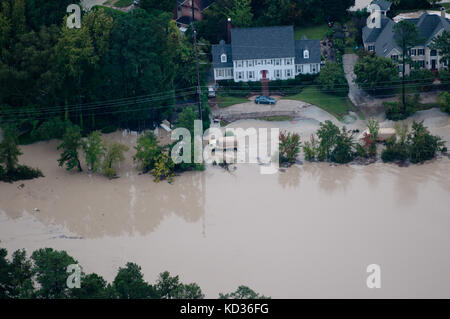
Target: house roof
203,3
428,26
262,43
217,50
383,4
313,46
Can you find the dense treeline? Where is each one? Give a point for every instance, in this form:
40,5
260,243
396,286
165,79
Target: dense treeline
45,275
136,64
246,13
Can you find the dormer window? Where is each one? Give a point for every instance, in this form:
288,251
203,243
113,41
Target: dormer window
223,58
306,54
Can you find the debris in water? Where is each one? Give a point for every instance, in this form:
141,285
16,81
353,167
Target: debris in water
36,210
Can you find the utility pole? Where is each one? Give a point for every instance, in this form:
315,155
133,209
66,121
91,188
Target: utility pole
199,90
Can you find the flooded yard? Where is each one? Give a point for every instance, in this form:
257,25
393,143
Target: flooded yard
310,231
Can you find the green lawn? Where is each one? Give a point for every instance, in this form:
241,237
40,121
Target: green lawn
333,104
123,3
315,32
227,100
280,118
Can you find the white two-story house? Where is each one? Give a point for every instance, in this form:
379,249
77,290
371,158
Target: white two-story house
270,53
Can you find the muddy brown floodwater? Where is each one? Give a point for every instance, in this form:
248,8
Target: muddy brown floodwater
310,231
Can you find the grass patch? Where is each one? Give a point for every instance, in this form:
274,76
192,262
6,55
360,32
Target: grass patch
227,100
314,32
280,118
123,3
333,104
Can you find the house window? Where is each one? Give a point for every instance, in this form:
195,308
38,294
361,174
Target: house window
420,51
306,54
277,74
239,64
250,63
421,63
371,48
394,57
287,61
223,58
433,52
240,75
277,62
314,68
251,74
288,73
413,52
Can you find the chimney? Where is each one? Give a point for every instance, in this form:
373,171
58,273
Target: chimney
229,30
443,12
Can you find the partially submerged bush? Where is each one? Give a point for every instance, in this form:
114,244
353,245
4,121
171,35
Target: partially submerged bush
164,168
289,147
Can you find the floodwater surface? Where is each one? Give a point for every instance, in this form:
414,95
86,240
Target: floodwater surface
310,231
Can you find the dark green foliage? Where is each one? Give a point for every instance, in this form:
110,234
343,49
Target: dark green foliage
50,267
423,77
70,145
417,146
444,101
53,128
163,5
327,134
376,74
45,276
242,292
332,79
422,145
394,151
46,12
343,150
10,170
129,283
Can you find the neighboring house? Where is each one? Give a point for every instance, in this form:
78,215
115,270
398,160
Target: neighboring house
183,11
381,40
383,5
265,53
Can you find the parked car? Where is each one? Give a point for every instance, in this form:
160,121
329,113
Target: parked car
211,92
264,100
136,2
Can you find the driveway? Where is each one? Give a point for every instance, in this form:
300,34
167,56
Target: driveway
356,95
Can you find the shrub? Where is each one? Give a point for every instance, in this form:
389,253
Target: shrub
423,145
332,79
53,128
147,150
394,151
361,151
164,168
114,154
327,134
423,77
343,149
444,101
289,147
311,149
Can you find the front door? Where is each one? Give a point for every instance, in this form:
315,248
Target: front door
264,73
433,64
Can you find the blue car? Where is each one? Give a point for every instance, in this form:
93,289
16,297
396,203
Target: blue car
264,100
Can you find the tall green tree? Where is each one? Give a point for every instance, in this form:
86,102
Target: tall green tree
9,151
50,267
406,36
71,144
129,283
242,292
240,13
94,150
375,73
114,154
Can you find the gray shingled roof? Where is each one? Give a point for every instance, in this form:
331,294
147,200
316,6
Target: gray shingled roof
383,4
217,50
262,43
428,26
313,46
